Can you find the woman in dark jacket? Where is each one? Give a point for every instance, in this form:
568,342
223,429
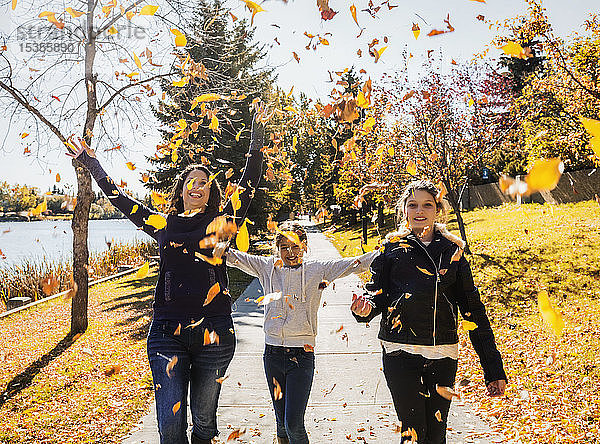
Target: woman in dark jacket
421,280
191,339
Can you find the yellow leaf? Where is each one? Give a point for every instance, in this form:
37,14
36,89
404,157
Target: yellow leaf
180,39
369,123
549,314
180,83
158,199
513,49
149,10
214,123
176,407
212,292
411,168
130,165
353,12
157,221
294,143
362,101
134,209
425,271
143,271
416,30
290,108
254,8
380,51
593,128
112,30
468,325
24,135
73,13
235,200
137,61
238,135
243,238
210,97
544,174
391,151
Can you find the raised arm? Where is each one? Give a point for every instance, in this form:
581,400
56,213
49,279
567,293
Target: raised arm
135,211
249,263
338,268
251,175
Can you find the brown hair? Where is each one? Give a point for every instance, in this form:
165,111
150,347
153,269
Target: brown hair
294,227
176,198
410,189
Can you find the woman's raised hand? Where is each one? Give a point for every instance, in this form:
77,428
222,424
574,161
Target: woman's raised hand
74,149
360,306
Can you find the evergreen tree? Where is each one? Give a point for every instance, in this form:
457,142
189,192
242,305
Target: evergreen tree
226,61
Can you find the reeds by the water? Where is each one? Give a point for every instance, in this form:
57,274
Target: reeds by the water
25,279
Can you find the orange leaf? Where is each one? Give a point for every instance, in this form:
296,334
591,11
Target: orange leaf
57,177
446,392
172,363
255,8
353,12
237,433
425,271
212,292
130,165
277,393
73,13
176,407
14,4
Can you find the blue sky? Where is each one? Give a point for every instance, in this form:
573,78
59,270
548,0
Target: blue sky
287,23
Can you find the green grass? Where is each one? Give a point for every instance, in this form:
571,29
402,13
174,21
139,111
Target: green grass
517,251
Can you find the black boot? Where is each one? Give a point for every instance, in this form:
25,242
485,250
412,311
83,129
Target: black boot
196,440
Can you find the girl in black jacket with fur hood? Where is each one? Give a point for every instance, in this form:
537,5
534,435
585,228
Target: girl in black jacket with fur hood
420,281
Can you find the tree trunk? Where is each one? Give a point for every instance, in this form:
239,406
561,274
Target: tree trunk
79,224
461,223
363,212
380,215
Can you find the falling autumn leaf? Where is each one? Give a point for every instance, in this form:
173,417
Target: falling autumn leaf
549,314
254,8
148,10
158,198
544,174
180,39
57,177
468,325
242,239
237,433
296,56
73,13
353,12
425,271
446,392
157,221
214,123
138,63
14,4
143,271
212,292
411,168
130,165
172,363
438,416
416,30
176,407
513,49
277,393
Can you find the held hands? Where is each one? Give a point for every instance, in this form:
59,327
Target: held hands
360,306
496,388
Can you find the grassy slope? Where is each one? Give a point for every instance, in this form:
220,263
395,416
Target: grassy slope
553,393
70,399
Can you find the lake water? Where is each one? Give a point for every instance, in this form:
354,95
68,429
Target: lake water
54,239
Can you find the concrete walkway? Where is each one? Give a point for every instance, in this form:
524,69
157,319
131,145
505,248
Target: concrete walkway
350,401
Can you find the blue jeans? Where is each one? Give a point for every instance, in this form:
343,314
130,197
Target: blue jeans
198,366
293,368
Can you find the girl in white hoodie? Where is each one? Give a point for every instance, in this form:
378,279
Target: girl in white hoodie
292,296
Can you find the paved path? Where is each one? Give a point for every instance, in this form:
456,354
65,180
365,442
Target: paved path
349,398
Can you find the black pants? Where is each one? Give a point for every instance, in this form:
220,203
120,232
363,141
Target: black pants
412,380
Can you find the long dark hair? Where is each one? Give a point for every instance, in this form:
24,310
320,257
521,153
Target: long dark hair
176,198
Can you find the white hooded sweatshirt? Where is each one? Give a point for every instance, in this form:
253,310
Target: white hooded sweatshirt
293,295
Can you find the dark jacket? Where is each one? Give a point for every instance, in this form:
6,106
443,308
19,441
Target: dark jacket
419,290
184,279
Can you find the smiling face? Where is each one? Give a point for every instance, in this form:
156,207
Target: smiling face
291,253
420,210
196,191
